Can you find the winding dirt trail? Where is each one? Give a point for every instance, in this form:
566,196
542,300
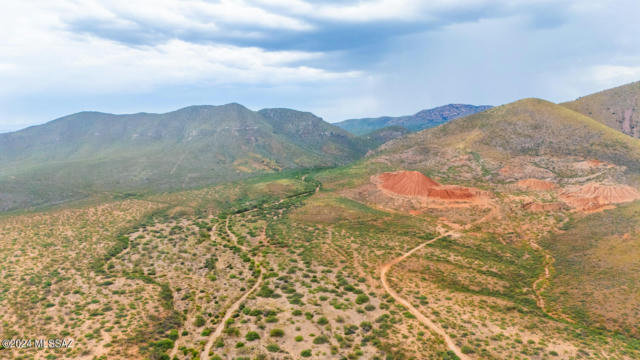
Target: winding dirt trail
233,236
423,319
548,260
177,343
233,308
537,289
236,305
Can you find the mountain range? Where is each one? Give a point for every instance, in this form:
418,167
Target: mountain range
92,152
424,119
89,153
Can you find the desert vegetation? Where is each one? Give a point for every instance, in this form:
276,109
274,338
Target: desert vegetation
421,250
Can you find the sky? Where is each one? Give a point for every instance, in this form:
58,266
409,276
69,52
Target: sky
337,59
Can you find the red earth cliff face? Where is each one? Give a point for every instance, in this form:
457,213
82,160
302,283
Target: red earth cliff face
415,184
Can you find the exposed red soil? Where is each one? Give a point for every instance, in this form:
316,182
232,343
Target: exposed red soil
407,183
450,192
536,184
595,196
415,184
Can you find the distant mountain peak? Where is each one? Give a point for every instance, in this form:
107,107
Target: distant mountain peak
421,120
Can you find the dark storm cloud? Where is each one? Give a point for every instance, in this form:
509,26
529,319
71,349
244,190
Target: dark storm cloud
324,33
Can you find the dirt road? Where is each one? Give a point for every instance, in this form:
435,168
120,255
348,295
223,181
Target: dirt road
423,319
233,308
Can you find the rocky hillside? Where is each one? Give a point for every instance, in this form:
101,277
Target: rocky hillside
381,136
618,108
529,127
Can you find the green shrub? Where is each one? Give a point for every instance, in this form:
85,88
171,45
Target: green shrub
350,329
163,345
276,333
366,326
273,348
199,321
466,349
252,336
361,299
173,334
308,315
305,353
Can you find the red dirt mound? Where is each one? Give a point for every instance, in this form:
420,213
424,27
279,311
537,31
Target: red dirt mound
415,184
536,184
593,196
408,183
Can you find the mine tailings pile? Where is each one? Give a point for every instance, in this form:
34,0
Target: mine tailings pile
415,184
595,196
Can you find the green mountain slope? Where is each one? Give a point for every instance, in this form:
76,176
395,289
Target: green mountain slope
530,127
381,136
422,120
314,134
93,152
618,108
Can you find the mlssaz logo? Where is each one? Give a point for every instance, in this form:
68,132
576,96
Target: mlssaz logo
59,343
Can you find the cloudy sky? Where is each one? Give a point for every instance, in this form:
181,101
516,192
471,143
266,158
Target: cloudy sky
337,58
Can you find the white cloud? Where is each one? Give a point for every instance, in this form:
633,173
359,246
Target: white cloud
40,55
613,75
98,65
183,15
399,10
361,11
